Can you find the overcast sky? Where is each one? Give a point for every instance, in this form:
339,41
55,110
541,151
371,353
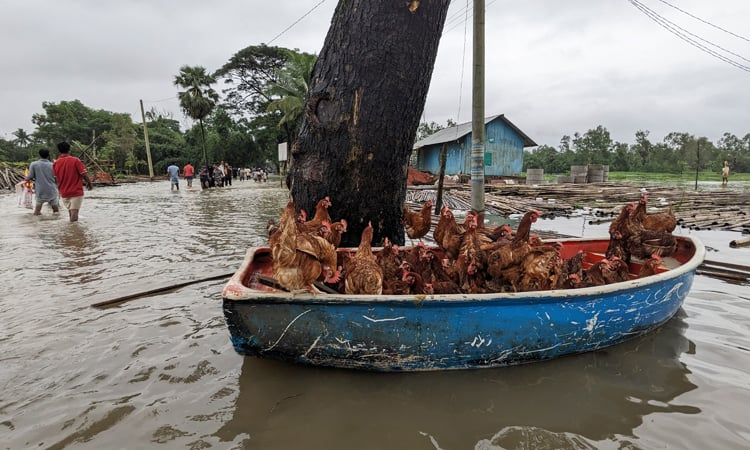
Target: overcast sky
553,67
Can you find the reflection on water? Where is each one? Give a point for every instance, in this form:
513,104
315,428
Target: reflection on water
161,370
584,398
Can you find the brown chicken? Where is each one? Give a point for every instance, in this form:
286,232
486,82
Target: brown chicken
647,243
663,221
619,271
513,253
321,215
337,230
542,267
448,234
397,285
649,266
417,224
299,258
572,271
468,263
596,275
389,260
431,267
416,284
363,273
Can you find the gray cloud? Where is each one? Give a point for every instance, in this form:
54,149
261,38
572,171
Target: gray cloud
553,67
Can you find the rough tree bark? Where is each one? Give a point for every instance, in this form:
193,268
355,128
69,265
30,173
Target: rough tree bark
365,100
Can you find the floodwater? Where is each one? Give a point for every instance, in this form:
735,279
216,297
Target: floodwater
160,372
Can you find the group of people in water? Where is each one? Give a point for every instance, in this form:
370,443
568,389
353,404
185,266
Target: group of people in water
217,175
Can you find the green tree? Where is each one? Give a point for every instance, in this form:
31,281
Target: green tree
23,139
248,74
289,91
198,99
120,144
594,146
70,121
734,150
643,147
621,158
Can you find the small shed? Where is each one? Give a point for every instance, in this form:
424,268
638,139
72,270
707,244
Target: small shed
503,148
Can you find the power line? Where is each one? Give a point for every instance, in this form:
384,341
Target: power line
704,21
162,100
296,21
465,19
696,36
674,29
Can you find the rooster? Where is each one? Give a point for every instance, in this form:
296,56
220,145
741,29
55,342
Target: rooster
363,273
300,258
417,224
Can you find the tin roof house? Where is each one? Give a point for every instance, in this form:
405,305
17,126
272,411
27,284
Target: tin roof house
503,148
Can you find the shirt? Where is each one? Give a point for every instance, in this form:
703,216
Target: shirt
68,170
43,175
174,171
188,170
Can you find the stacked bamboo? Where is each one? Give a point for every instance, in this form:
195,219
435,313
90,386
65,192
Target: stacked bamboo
9,177
700,210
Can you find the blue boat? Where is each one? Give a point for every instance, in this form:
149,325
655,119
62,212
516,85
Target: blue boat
457,331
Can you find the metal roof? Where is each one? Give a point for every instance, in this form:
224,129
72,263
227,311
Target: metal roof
459,131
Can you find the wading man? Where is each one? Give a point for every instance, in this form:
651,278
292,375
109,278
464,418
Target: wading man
45,186
70,173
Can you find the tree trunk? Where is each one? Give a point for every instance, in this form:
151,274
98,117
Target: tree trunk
366,97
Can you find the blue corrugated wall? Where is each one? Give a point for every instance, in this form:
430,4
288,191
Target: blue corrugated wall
503,149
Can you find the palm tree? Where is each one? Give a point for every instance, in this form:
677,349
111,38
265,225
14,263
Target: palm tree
23,139
290,90
198,99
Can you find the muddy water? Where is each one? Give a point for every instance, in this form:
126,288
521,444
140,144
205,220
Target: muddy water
159,372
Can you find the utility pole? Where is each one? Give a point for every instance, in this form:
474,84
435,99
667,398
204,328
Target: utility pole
477,115
697,162
148,147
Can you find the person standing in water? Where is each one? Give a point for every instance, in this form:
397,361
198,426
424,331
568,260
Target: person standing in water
45,186
69,172
725,174
189,172
174,177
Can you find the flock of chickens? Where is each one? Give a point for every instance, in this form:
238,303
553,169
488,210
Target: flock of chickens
467,259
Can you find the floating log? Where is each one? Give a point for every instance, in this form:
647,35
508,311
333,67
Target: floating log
740,242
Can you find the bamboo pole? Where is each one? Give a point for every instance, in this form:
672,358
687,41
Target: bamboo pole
149,292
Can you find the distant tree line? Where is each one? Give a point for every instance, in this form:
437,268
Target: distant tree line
260,106
677,153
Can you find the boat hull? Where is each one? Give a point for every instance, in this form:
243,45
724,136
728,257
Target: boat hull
438,332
